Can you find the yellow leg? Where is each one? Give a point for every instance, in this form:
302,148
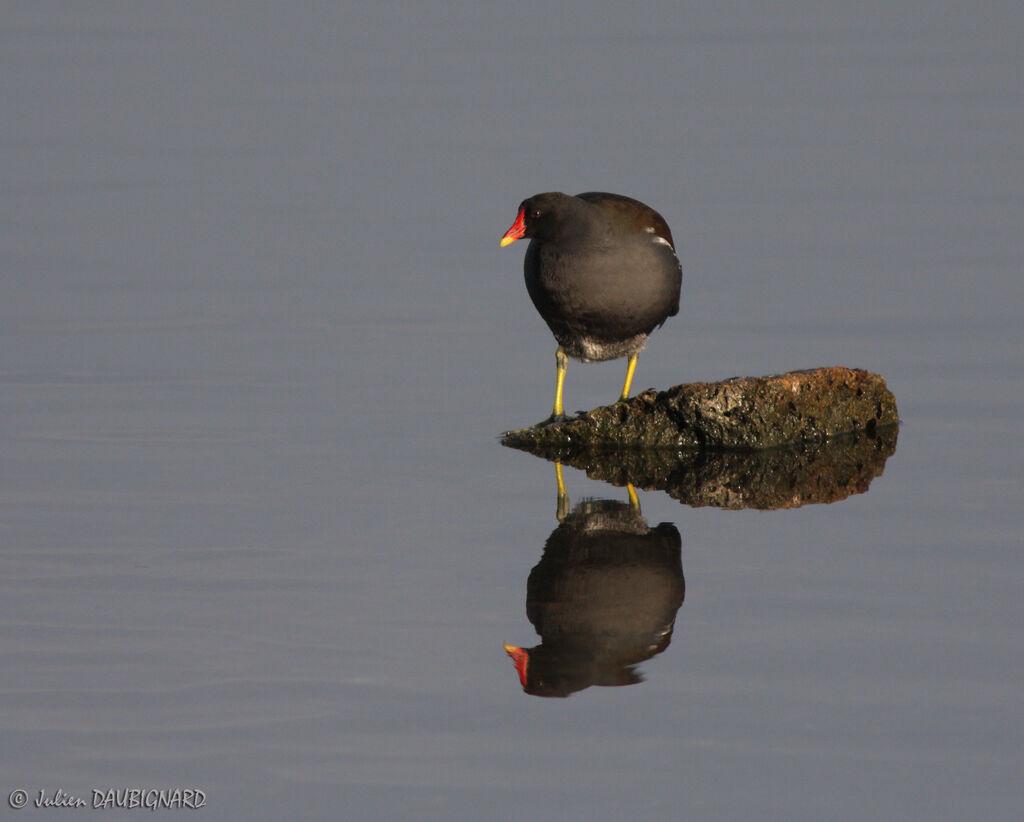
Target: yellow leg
629,376
562,510
561,363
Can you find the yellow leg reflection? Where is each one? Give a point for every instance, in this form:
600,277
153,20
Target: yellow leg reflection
630,368
561,363
634,503
562,510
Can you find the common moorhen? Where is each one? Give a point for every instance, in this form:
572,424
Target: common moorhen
602,271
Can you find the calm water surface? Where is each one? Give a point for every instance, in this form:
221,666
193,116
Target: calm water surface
258,535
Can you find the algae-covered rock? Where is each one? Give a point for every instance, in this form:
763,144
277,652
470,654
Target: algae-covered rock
744,413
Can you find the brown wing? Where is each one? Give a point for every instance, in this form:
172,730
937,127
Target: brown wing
631,212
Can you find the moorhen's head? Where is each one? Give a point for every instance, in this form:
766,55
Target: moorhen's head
545,216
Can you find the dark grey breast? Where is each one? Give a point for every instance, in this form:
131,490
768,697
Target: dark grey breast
604,274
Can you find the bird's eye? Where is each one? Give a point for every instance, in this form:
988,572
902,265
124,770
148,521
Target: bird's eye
535,214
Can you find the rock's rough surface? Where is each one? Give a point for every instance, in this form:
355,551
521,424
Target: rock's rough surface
744,413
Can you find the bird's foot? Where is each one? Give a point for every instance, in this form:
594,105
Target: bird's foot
549,421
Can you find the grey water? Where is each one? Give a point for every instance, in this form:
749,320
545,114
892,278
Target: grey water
258,536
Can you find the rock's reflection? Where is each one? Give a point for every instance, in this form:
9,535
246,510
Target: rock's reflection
603,598
776,478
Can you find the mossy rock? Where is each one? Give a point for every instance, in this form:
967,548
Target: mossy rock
743,413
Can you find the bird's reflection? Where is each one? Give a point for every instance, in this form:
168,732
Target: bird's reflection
603,597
